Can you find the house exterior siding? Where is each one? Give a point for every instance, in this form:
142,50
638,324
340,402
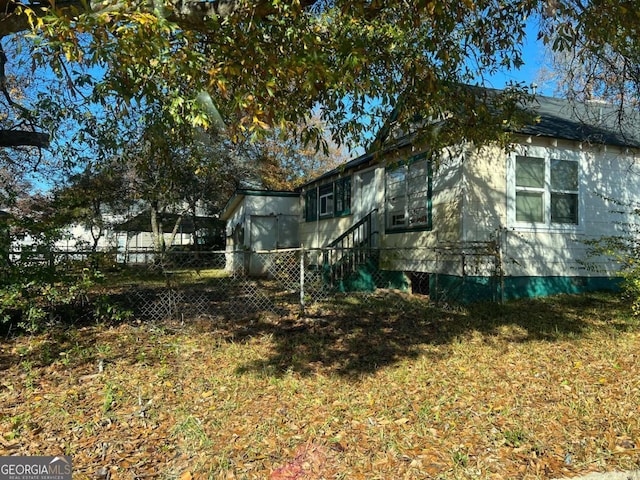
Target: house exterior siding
254,207
419,247
488,222
484,184
319,233
257,221
541,259
472,204
367,194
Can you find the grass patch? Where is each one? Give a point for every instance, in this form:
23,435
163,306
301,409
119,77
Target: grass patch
531,389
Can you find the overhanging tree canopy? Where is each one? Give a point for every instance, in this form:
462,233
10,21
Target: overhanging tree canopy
268,63
596,49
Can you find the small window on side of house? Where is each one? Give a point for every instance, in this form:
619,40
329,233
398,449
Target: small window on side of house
530,174
328,200
564,191
325,197
546,191
343,196
408,195
311,205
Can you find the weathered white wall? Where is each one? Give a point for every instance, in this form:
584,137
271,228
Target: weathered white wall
474,201
271,205
276,222
416,250
483,194
542,250
260,222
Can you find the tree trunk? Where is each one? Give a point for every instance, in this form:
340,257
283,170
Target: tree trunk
97,224
156,229
96,236
174,231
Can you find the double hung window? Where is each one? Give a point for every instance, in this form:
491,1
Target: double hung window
546,191
408,195
328,200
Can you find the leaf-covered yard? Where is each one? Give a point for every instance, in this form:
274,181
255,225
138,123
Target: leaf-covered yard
532,389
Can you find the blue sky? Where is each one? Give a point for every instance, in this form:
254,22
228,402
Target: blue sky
533,55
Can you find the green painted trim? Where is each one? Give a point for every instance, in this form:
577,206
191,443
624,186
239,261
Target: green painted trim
313,194
474,289
395,280
346,213
468,290
526,287
368,278
462,289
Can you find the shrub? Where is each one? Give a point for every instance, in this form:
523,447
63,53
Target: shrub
32,303
623,250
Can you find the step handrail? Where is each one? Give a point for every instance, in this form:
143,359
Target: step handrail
367,219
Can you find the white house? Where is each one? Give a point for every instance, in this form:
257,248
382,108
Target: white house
128,236
483,222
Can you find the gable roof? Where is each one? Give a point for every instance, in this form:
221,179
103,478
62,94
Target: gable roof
141,222
593,122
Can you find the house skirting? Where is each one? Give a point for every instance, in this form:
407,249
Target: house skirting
471,289
368,278
467,289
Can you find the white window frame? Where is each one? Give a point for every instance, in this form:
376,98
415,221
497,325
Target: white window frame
326,200
547,154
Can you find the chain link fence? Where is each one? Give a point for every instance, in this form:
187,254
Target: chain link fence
196,284
288,282
191,284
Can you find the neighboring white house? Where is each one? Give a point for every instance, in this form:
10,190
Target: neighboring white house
482,222
124,233
129,236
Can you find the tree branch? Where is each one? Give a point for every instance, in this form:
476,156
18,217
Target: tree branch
17,138
3,87
186,13
23,138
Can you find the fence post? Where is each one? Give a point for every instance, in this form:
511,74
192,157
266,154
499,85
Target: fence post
301,279
502,237
51,260
436,284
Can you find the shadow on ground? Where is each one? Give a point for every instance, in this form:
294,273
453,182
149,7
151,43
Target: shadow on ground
351,335
354,337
